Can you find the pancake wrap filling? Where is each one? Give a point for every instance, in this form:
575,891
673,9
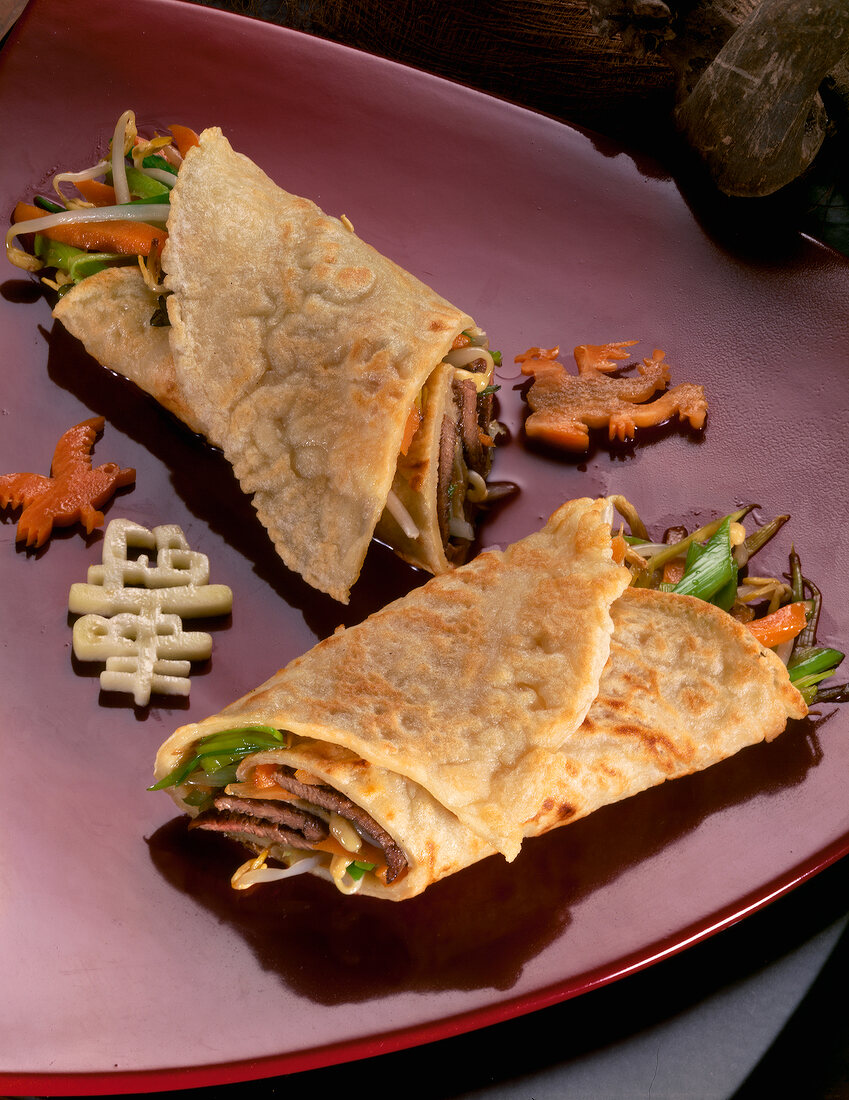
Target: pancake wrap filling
301,825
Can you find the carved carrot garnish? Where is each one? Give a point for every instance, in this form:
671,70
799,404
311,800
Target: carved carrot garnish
72,493
565,406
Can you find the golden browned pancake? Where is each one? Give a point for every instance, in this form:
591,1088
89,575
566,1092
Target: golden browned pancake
297,349
110,314
301,351
453,718
467,685
685,686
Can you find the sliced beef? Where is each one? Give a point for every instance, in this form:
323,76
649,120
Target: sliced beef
473,448
475,416
332,800
470,430
276,822
249,827
280,813
447,445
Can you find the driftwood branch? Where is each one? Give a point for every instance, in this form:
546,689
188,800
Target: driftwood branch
747,78
755,116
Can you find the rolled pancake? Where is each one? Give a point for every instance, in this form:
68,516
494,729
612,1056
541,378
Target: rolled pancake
110,314
467,685
297,349
321,346
685,686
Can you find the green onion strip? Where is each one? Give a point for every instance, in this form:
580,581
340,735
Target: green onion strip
220,749
711,572
676,549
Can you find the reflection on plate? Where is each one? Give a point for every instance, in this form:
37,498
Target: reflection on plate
127,955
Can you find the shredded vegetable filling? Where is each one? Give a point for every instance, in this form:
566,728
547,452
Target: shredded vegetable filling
282,812
711,563
111,213
467,442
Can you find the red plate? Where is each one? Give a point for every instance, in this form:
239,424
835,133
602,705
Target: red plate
128,962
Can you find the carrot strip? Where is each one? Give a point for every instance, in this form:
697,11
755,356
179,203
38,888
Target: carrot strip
184,138
410,428
781,625
673,571
128,238
25,211
264,775
461,341
101,194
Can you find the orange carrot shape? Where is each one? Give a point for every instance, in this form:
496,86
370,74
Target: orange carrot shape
73,492
565,406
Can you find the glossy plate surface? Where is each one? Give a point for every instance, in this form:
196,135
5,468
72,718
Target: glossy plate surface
127,961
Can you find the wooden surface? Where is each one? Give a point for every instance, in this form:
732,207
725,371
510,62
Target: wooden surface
737,80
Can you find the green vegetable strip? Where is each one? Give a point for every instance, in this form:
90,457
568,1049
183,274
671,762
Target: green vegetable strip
198,798
215,762
797,581
222,776
725,596
710,569
161,163
812,661
47,204
162,198
144,187
645,579
75,261
676,549
759,538
808,667
807,637
807,687
358,868
222,749
803,682
837,694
